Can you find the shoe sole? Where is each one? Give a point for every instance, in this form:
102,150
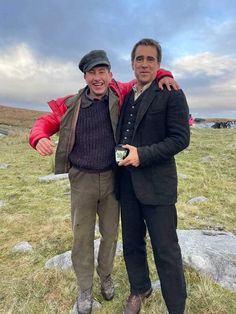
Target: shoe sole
84,312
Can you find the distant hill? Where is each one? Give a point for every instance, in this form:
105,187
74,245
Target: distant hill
25,117
19,117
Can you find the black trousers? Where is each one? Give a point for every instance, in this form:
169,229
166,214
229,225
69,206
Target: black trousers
161,222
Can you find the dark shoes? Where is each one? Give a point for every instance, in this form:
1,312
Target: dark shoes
85,302
134,302
107,288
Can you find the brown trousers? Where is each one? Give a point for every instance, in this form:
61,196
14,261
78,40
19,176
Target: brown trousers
92,194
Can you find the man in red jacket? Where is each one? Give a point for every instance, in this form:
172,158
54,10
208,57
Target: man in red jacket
87,123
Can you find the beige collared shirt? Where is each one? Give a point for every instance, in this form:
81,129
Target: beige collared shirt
138,93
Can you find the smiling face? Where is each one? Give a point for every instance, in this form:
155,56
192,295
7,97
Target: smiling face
145,64
98,79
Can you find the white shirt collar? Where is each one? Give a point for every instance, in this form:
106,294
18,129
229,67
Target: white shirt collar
138,93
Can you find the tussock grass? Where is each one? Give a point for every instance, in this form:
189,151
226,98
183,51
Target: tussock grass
38,213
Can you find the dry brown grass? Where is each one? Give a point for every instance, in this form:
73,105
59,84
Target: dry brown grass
18,117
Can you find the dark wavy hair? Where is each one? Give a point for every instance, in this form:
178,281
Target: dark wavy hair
147,42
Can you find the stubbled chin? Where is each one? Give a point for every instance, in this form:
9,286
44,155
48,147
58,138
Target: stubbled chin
144,76
98,91
144,80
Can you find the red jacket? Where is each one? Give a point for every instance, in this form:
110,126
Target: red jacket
190,121
49,124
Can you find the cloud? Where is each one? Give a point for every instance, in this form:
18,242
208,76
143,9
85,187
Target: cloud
41,43
208,80
206,62
25,76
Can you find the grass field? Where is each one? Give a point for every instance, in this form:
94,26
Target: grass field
38,213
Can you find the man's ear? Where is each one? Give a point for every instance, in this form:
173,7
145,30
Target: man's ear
110,76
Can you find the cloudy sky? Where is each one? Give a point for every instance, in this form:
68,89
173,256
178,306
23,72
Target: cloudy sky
41,43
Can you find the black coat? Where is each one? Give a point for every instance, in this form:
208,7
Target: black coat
161,130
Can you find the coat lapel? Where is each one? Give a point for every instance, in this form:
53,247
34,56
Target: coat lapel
113,109
145,103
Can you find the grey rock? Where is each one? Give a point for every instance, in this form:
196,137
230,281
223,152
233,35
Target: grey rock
183,176
96,248
96,306
53,177
4,166
22,247
198,199
206,159
211,253
119,249
156,285
61,262
2,203
4,132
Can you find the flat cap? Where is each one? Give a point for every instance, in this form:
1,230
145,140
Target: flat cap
92,59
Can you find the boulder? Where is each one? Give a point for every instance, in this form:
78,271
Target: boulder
22,247
60,262
63,261
4,166
2,203
211,253
3,132
53,177
198,199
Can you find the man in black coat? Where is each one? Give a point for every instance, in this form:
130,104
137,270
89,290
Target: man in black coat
153,127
